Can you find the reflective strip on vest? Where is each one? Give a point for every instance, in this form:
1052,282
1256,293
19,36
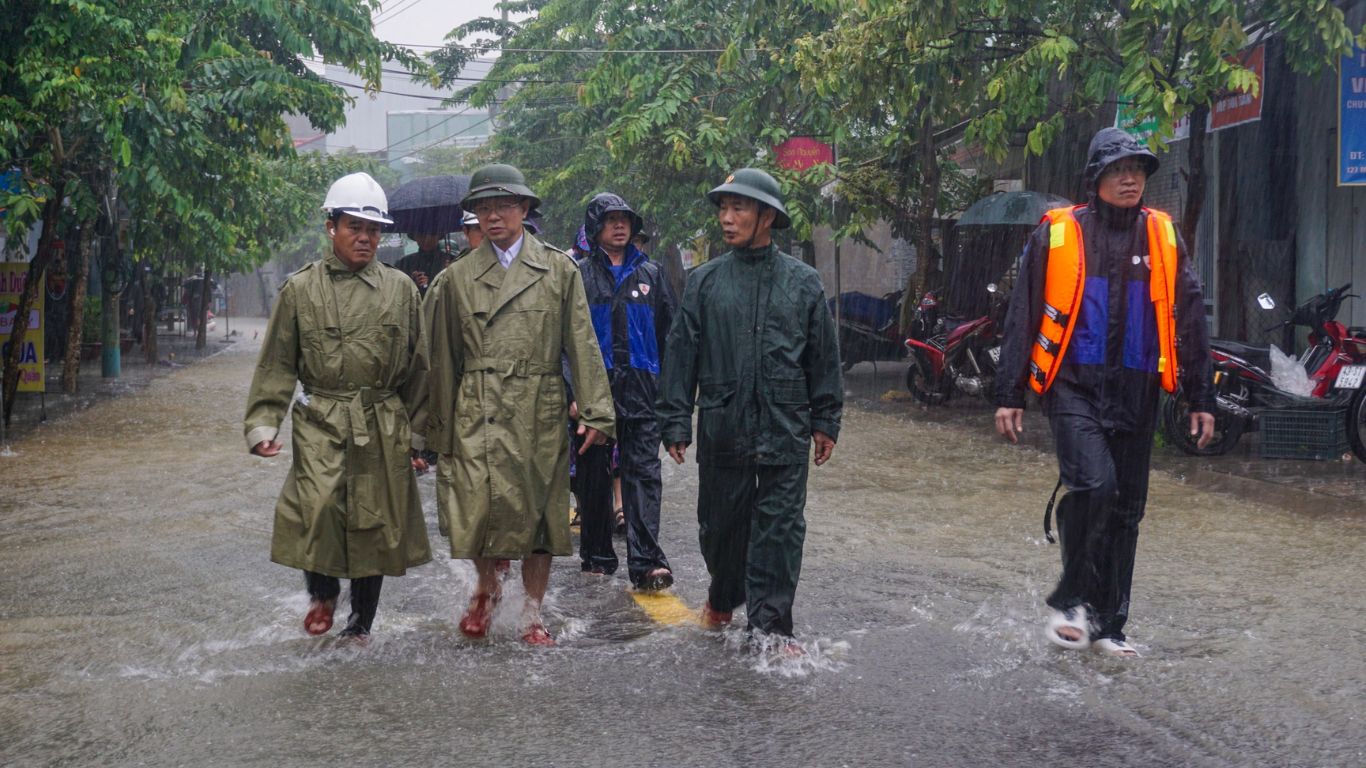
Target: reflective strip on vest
1064,281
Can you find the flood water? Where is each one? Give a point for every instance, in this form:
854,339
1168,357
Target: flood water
141,622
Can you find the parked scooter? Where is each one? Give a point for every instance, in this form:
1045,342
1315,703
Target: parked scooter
868,327
954,356
1335,363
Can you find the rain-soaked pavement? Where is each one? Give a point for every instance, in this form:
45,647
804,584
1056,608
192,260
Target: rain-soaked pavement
141,622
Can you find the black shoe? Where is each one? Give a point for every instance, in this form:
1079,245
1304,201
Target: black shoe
656,580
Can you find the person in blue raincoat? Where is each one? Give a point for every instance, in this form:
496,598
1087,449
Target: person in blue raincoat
632,306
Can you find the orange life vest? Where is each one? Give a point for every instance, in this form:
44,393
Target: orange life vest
1065,283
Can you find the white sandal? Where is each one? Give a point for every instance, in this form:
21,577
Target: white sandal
1072,617
1117,648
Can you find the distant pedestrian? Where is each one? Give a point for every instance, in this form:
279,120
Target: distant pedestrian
347,330
632,305
501,319
424,264
1107,307
755,342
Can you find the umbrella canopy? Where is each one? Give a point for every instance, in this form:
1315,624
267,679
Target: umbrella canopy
429,205
1010,209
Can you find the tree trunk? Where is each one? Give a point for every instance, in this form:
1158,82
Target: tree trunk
52,211
71,366
1195,183
928,164
149,319
201,334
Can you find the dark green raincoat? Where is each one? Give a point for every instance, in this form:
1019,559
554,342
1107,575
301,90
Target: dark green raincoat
349,507
753,346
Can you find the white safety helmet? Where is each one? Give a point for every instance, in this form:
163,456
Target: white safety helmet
360,196
469,220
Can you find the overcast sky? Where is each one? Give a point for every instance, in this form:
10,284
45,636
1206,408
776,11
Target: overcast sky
426,22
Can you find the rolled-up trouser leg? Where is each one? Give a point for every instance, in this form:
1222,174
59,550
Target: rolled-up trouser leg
638,444
1088,472
725,504
776,535
364,602
595,510
321,587
1115,564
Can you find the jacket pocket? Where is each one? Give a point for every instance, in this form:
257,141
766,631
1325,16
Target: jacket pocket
789,391
714,394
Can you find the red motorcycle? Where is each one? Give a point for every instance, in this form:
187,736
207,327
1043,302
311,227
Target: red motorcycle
1335,363
950,356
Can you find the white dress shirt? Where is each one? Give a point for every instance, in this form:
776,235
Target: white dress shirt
505,257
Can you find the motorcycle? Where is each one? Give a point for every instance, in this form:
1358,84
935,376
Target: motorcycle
1335,363
868,328
949,356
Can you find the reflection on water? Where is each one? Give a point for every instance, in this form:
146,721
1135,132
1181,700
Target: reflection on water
141,623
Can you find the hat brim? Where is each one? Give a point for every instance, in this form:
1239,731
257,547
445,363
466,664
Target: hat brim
781,221
512,190
363,214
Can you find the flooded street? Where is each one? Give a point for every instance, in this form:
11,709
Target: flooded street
141,622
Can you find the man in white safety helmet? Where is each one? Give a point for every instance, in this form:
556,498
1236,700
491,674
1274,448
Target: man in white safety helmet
348,329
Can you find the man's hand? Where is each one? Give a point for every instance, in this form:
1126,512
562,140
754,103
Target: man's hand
1010,423
678,451
420,278
1202,425
420,465
825,445
574,410
268,448
591,437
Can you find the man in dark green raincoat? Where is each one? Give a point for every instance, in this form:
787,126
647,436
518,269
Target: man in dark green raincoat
755,342
347,329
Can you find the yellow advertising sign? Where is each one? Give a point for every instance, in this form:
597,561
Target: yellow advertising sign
13,275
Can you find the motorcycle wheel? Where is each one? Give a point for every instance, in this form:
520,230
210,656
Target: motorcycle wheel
1356,422
1176,427
923,390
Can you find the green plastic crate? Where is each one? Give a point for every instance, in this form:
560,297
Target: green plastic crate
1304,433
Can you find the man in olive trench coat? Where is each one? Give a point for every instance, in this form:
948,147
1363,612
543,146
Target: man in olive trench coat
500,318
348,329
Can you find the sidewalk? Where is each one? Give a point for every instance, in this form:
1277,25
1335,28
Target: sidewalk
1292,482
173,350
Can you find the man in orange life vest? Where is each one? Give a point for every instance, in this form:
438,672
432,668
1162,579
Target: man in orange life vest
1107,308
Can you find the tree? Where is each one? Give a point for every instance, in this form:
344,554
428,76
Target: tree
655,101
177,104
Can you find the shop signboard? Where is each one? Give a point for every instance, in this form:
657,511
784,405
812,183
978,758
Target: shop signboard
31,373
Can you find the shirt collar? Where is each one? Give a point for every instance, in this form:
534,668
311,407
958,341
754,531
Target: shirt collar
505,257
369,274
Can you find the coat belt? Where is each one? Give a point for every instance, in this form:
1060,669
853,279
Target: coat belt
520,368
357,400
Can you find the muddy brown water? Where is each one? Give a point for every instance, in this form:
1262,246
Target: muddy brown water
141,622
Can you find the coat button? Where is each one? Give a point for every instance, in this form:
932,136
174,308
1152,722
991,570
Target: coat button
492,420
488,370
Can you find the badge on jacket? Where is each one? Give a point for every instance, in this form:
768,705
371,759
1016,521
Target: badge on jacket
644,289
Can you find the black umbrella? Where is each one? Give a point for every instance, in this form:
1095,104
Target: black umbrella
1008,208
429,205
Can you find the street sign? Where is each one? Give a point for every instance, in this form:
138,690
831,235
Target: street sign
1352,119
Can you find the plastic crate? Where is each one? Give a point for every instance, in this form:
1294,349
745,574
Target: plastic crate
1304,433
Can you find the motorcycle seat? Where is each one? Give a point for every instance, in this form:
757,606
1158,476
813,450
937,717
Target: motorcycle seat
1259,356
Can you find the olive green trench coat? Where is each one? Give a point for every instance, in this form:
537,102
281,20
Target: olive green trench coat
497,401
349,507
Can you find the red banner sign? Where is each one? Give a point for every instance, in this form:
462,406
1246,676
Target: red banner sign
1241,107
802,152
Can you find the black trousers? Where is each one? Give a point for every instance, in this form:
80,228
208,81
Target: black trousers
638,467
1106,475
751,526
364,597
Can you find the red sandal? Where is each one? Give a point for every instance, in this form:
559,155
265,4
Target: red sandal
475,623
537,634
319,613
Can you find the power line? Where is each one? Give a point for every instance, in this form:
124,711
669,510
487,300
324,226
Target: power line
392,10
600,51
398,12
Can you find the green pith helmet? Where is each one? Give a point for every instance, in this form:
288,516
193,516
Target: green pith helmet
756,185
498,180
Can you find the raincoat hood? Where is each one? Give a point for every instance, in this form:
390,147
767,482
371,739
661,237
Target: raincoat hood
597,211
1110,145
